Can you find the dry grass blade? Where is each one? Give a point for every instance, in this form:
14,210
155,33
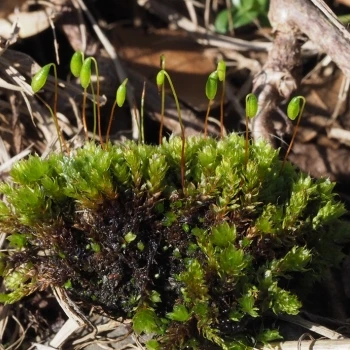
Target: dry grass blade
76,321
12,37
323,7
69,328
4,315
115,326
82,27
51,16
41,347
22,332
8,164
19,79
4,154
138,343
313,327
191,11
69,307
341,135
15,76
319,344
342,96
4,84
42,19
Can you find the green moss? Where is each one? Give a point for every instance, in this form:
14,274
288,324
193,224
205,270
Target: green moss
192,265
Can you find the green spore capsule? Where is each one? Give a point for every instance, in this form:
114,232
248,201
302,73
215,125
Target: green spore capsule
293,108
85,73
211,86
39,79
121,93
221,69
76,63
160,78
251,105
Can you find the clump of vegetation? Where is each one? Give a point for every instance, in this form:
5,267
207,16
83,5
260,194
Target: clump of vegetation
194,261
196,239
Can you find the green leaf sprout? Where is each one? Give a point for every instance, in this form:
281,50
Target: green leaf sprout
146,321
180,314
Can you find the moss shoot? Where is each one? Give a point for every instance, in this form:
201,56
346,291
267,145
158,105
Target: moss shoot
197,265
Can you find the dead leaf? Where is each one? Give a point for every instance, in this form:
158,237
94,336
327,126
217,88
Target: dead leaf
344,2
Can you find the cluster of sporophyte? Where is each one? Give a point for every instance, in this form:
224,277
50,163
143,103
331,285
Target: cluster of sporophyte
197,261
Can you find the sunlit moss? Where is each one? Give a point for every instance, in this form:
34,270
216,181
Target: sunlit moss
193,265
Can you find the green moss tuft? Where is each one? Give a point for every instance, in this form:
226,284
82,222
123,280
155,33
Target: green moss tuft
192,265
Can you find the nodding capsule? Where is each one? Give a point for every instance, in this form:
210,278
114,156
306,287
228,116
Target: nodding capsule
293,108
211,86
